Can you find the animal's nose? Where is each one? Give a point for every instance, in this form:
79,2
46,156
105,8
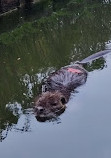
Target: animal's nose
39,109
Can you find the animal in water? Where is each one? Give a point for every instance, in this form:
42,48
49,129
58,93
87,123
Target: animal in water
58,87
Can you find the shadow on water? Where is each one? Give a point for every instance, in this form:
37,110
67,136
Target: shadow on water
40,46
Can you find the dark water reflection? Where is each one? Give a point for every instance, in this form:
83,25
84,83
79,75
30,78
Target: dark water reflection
27,55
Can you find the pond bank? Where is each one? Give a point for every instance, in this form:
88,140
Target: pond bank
10,5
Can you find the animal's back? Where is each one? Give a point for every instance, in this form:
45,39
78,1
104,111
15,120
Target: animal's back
68,77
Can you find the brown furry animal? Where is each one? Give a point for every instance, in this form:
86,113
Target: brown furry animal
49,105
58,87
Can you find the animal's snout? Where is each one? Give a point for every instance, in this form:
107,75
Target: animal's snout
39,109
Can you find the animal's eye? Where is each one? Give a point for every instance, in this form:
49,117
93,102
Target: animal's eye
63,100
53,104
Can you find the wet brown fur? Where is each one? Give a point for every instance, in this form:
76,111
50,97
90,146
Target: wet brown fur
58,87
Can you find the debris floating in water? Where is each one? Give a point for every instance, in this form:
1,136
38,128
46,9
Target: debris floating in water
18,59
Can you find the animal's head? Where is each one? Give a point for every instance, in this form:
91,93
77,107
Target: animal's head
49,105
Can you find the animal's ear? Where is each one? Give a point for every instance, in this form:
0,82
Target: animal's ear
63,100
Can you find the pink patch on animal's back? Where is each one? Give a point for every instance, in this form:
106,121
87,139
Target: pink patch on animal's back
74,70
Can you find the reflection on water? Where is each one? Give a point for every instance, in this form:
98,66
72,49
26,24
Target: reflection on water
40,46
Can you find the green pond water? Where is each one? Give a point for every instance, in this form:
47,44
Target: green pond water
36,42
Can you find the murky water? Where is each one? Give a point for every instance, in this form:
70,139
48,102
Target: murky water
41,44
